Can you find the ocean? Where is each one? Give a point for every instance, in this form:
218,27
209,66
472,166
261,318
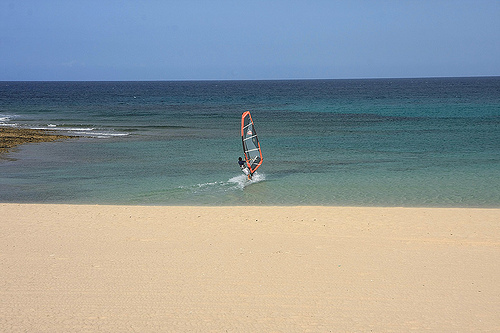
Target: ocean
427,142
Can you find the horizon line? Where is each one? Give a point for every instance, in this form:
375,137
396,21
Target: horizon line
274,79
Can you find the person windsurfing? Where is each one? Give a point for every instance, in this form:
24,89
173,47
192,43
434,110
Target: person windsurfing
251,146
244,168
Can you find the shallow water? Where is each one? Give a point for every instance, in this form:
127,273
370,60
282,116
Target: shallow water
391,142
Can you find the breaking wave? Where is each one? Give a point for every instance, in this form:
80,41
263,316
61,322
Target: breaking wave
6,120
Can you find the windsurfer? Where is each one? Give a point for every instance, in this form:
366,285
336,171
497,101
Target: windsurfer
241,162
244,168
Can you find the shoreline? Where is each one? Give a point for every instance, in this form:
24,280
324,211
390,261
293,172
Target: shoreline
248,268
13,137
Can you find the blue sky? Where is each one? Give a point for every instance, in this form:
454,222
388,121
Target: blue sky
252,39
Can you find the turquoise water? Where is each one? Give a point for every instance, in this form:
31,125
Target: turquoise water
385,142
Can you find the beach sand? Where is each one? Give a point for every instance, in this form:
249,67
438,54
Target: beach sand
78,268
12,137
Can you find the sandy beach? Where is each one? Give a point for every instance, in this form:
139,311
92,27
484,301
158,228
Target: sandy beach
77,268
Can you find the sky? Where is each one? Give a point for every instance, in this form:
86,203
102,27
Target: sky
87,40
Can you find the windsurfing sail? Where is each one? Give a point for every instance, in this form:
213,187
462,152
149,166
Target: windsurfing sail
251,146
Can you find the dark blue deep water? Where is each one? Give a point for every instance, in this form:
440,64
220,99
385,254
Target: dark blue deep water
379,142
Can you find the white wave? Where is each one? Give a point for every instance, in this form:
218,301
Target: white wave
103,135
82,131
242,181
53,127
5,121
258,177
5,118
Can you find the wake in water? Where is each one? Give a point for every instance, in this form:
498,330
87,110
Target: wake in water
235,183
242,181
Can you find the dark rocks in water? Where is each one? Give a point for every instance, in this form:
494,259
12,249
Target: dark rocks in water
11,137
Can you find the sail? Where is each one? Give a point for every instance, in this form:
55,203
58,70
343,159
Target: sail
251,146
